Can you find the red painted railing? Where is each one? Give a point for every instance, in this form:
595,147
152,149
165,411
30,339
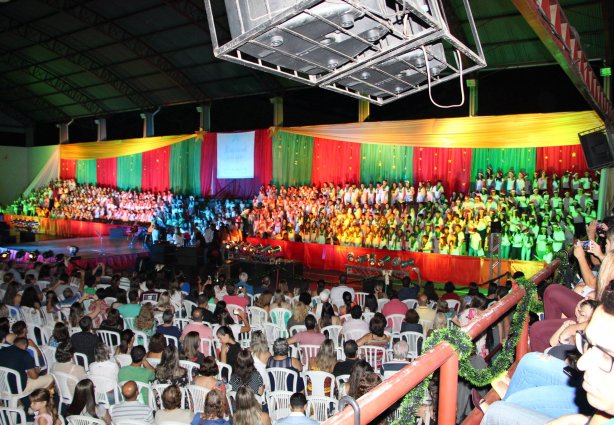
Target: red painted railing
441,356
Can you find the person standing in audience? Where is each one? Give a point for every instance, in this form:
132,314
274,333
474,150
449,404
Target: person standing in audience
130,408
298,406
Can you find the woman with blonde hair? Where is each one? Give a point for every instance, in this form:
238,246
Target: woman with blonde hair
259,348
164,303
145,320
298,315
324,361
440,322
248,411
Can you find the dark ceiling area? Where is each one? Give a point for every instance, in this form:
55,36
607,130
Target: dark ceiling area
63,60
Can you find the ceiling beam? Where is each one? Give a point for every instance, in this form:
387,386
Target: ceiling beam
143,50
549,22
12,94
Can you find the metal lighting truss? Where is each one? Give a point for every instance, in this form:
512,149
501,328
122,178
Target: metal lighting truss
376,50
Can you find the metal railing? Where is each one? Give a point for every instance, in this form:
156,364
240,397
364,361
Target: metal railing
442,357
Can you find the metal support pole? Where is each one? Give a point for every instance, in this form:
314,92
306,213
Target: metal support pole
473,97
204,117
278,111
101,132
148,123
64,135
448,389
364,110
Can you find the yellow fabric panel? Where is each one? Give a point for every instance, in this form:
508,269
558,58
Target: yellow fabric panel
113,148
505,131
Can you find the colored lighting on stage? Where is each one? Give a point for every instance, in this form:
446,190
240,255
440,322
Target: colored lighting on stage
372,260
73,250
275,250
605,72
351,257
384,260
33,255
407,263
5,255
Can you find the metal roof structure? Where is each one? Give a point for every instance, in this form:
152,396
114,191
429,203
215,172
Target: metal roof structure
67,59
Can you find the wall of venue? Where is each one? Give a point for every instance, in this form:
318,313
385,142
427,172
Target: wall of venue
449,149
18,167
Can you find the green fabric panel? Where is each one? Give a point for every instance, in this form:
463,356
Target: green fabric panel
185,167
379,162
292,159
517,159
129,171
86,171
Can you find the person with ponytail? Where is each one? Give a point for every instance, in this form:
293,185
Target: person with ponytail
42,405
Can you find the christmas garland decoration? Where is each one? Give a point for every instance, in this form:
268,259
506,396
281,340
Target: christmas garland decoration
464,347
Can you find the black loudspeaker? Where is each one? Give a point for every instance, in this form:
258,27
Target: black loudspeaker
116,233
26,237
188,256
162,254
597,149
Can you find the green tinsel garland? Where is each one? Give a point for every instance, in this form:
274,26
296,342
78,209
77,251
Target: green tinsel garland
464,347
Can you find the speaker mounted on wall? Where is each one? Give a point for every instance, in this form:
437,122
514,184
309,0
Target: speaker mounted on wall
597,148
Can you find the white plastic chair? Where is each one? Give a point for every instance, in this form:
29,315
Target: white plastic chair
321,408
84,420
412,339
432,305
141,338
296,329
190,367
110,338
38,333
49,353
145,392
318,380
153,362
381,303
62,382
197,396
81,359
375,356
101,396
130,422
206,347
341,380
129,322
340,354
189,307
279,404
355,334
257,315
305,352
273,332
224,371
278,379
333,332
12,416
359,297
14,313
280,317
367,316
232,308
454,305
11,399
171,340
394,322
410,303
181,322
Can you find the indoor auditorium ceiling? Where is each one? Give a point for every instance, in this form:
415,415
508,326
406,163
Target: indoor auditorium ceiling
63,59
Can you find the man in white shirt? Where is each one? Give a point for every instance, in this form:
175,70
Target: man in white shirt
336,294
355,327
298,404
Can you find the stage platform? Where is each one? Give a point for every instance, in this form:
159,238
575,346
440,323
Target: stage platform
116,253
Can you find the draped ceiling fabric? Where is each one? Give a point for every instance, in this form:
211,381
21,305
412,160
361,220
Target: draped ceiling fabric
523,130
379,162
156,176
129,171
558,159
451,166
335,161
106,172
292,159
503,159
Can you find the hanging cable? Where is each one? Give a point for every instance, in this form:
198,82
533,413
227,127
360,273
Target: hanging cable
459,64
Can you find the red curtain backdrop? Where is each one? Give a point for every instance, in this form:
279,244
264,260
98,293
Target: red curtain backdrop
561,158
156,166
68,169
106,172
241,188
335,161
450,165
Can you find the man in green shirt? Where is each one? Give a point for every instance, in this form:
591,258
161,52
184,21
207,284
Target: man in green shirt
133,308
136,372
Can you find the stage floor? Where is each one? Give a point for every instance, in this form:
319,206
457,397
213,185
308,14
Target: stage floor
88,247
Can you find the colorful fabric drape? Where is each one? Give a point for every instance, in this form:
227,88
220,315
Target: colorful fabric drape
185,166
208,164
292,159
379,162
522,159
106,172
68,169
335,161
156,169
129,168
558,159
520,131
86,171
451,166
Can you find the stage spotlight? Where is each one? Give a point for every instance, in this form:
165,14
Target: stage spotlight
33,255
20,254
5,255
246,247
256,248
396,261
275,249
73,250
362,258
351,257
266,249
48,254
372,260
407,263
384,260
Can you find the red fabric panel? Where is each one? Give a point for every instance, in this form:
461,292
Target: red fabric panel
156,169
106,172
561,158
450,165
65,228
208,164
68,169
335,161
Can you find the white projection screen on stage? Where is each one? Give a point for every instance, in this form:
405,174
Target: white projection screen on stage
235,155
